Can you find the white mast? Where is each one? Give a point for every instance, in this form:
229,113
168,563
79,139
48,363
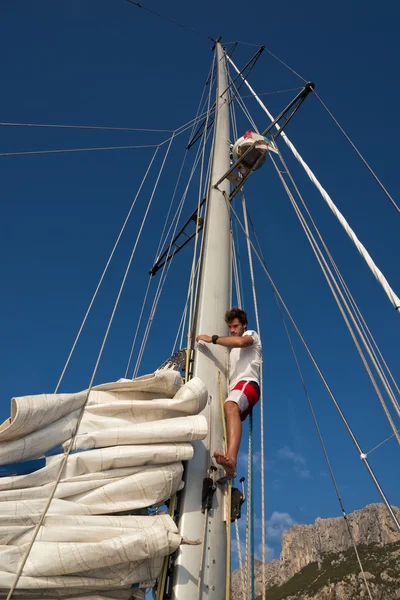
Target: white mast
213,300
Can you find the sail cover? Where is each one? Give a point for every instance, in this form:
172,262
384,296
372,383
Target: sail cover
127,457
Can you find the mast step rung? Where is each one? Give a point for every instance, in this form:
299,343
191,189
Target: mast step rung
234,178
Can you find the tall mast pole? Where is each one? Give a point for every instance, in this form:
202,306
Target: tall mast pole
203,567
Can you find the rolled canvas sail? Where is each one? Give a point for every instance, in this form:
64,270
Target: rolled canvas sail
127,456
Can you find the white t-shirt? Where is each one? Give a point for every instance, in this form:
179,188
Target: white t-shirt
245,362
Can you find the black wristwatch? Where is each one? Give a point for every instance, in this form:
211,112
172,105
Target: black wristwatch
214,338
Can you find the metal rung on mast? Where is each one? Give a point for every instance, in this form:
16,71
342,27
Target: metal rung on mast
173,247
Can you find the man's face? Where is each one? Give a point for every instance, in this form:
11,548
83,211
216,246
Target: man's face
236,327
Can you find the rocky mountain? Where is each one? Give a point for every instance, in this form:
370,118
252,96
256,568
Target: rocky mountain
318,561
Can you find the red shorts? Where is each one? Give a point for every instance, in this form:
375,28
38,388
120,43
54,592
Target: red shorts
246,395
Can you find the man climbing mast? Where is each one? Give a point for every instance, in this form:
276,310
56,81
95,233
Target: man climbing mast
244,380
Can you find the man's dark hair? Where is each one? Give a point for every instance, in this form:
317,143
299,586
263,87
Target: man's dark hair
236,313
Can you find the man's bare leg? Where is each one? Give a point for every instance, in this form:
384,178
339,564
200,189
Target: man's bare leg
234,434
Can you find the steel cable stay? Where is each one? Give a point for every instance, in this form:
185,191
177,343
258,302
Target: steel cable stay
193,122
181,327
104,273
200,251
240,560
321,440
315,421
349,430
343,298
246,70
362,323
199,198
367,337
236,275
160,288
394,299
175,134
200,113
175,219
271,54
108,264
70,150
235,268
296,89
262,446
95,127
82,409
247,571
164,272
235,252
162,581
192,278
341,303
161,241
363,160
238,98
250,506
381,443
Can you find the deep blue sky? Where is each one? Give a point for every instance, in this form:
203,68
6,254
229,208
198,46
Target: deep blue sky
108,63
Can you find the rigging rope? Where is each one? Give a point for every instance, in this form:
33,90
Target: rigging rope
328,462
176,217
153,12
199,197
356,315
378,181
244,108
227,496
332,283
381,444
296,89
250,571
163,272
236,253
324,381
394,299
138,323
253,286
241,571
155,188
82,410
24,152
235,262
161,585
104,272
160,243
101,127
176,220
285,65
249,514
250,489
236,275
175,133
160,287
181,327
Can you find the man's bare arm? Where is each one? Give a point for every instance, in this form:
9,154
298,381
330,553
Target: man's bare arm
228,341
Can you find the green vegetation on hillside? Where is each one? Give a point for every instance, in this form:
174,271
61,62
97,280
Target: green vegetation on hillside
374,558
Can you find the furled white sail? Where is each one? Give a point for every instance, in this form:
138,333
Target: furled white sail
127,456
